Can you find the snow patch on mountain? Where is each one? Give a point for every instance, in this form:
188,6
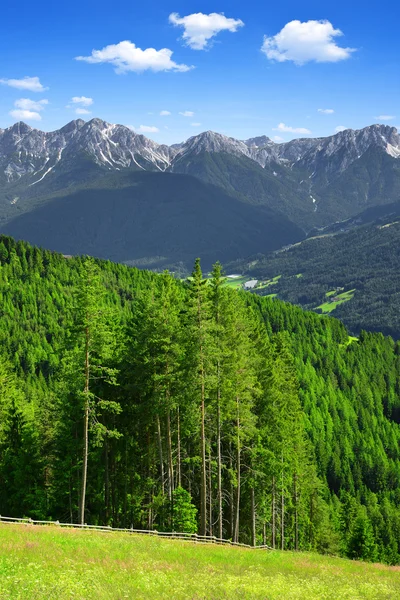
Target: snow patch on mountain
25,151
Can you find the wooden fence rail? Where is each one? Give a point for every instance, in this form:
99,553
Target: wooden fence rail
191,537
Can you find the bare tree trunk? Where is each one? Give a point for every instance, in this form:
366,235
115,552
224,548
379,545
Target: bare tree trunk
113,488
170,460
219,464
232,501
178,458
85,431
238,466
253,518
160,453
264,534
210,506
282,512
189,476
273,513
106,482
296,515
203,482
125,482
149,514
70,500
311,530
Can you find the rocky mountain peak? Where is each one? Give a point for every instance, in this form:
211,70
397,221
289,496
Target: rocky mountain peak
72,126
210,141
28,151
20,128
334,154
258,142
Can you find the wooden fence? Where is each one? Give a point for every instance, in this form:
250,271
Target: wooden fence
190,537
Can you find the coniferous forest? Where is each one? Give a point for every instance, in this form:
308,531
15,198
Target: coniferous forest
129,398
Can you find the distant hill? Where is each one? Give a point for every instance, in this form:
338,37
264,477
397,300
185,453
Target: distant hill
316,272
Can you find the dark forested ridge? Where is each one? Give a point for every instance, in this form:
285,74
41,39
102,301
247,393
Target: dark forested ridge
147,219
129,398
365,261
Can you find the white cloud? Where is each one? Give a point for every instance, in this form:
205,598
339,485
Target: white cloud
26,115
28,110
164,113
287,128
26,104
303,42
278,138
82,100
187,113
82,111
27,83
340,128
125,57
195,124
146,129
326,111
385,117
200,28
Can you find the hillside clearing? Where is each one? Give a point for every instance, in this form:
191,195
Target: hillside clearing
47,562
328,307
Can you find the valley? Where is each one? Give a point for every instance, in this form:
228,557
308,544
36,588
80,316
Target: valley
352,274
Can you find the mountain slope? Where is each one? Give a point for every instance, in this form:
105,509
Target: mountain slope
306,179
154,219
313,181
303,184
272,186
316,273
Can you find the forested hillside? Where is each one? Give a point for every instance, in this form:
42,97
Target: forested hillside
154,220
365,261
129,398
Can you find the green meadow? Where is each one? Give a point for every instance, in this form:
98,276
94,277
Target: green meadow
54,563
337,299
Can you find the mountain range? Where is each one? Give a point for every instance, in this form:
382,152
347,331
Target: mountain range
94,187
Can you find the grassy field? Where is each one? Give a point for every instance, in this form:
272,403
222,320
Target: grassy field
268,282
235,282
49,562
328,307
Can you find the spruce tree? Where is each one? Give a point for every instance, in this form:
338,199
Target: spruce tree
90,360
199,363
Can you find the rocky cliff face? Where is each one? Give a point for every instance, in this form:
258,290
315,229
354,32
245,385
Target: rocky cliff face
28,151
312,181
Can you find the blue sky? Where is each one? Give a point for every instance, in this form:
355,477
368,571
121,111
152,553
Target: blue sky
240,68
